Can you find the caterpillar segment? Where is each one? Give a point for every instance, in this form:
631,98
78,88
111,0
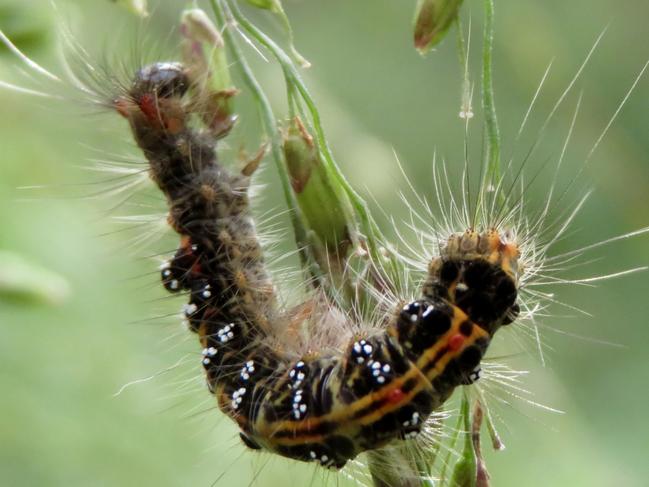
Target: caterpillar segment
324,407
331,409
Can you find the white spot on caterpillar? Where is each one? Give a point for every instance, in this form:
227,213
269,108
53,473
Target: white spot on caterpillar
206,292
189,309
209,352
226,333
362,350
237,397
379,371
299,408
297,375
475,374
247,370
428,311
413,421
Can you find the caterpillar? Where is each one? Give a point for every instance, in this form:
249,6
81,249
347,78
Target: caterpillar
321,407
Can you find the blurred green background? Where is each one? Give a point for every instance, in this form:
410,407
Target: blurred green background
61,365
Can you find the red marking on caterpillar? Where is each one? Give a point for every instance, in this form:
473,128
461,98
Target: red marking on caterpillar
455,342
396,396
149,107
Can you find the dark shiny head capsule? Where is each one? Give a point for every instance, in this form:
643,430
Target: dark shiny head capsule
166,80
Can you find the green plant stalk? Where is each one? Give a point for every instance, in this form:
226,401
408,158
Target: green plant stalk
301,60
488,102
447,459
293,79
318,254
463,57
276,7
364,233
465,471
384,265
462,50
359,211
272,132
321,207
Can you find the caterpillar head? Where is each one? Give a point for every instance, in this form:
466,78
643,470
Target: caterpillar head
166,79
479,273
154,101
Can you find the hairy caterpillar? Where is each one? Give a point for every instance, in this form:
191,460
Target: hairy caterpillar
321,407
